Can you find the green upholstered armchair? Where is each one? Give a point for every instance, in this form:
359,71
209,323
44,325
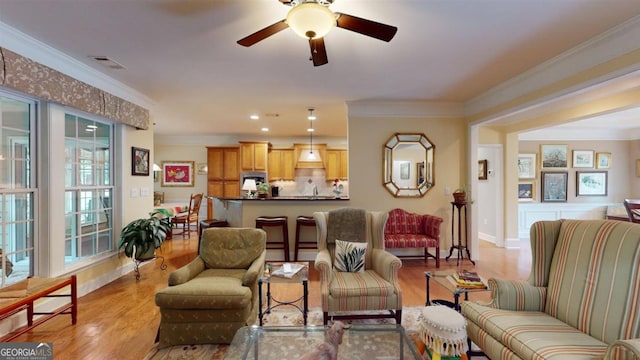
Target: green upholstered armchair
215,294
348,295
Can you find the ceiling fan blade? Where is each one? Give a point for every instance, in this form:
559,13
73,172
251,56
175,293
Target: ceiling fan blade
263,34
366,27
318,52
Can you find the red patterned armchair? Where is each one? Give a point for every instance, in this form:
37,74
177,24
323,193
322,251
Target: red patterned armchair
405,230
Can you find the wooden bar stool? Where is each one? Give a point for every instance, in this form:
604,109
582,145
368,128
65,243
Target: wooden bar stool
281,221
304,221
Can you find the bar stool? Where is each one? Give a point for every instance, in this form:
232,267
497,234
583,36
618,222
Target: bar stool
304,221
282,221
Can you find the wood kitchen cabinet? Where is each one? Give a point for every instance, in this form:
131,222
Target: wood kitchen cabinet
254,155
282,164
337,164
223,176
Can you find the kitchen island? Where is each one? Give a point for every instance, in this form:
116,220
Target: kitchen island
241,212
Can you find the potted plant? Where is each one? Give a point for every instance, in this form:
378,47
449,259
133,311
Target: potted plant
263,189
460,195
140,238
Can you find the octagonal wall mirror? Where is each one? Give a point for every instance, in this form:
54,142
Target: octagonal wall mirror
408,169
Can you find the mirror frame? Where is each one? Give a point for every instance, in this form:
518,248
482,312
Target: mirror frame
387,171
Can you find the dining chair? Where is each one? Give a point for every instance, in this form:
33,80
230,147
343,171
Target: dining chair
633,209
190,216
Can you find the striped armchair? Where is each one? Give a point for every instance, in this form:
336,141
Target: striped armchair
372,293
580,301
408,230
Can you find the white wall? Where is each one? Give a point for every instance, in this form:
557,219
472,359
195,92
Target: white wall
489,191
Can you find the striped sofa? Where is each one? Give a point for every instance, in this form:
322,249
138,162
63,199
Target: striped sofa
405,230
581,300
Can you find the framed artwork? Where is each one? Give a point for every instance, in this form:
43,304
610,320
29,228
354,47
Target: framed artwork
527,166
420,173
177,173
482,169
603,160
638,167
591,183
583,158
554,156
139,161
405,171
554,186
526,191
202,168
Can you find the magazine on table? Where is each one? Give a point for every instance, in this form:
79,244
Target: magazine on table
287,270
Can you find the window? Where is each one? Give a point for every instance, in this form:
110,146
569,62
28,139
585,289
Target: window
88,188
17,188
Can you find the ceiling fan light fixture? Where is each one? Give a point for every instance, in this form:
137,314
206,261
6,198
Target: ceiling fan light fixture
311,20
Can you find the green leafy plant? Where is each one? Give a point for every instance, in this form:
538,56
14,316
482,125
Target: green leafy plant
140,236
263,187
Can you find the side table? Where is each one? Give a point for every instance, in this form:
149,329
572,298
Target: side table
442,278
301,277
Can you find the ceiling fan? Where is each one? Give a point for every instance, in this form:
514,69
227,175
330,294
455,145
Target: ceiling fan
312,20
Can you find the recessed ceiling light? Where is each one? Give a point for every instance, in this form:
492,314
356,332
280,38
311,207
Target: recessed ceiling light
310,130
254,117
265,129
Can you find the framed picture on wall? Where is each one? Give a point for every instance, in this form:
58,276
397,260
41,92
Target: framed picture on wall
420,173
583,158
527,166
526,191
177,173
554,156
139,161
591,183
554,186
482,169
405,170
603,160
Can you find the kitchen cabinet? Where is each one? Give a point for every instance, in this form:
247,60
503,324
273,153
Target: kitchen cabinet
254,156
282,164
337,164
223,176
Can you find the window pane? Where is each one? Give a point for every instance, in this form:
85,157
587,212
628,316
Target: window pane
88,208
15,114
70,126
70,163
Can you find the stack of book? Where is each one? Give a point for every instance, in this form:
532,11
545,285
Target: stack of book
468,280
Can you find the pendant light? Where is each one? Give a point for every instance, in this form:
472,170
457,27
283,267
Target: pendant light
311,117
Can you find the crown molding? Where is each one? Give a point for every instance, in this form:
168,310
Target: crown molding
609,45
404,109
44,54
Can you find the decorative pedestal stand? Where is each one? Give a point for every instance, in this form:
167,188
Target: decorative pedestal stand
461,248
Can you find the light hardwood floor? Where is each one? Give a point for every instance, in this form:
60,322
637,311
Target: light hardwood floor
120,320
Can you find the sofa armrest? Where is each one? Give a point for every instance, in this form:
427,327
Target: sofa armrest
187,272
255,269
432,226
323,265
517,295
386,265
624,350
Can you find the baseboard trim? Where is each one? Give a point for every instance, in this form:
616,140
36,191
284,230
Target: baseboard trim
512,243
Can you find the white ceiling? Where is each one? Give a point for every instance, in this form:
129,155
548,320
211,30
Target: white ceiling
183,54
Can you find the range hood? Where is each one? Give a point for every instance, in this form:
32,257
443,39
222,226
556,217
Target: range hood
308,159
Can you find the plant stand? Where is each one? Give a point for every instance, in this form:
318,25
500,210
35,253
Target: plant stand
460,246
136,264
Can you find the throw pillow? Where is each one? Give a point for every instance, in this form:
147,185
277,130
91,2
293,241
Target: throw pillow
350,256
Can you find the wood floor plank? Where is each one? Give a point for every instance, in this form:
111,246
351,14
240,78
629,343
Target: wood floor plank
120,320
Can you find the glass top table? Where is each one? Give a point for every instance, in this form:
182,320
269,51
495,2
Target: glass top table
366,342
270,276
444,278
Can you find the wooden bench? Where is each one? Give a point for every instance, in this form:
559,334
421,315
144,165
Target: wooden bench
23,295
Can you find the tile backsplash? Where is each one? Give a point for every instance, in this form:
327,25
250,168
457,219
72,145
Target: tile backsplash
302,187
